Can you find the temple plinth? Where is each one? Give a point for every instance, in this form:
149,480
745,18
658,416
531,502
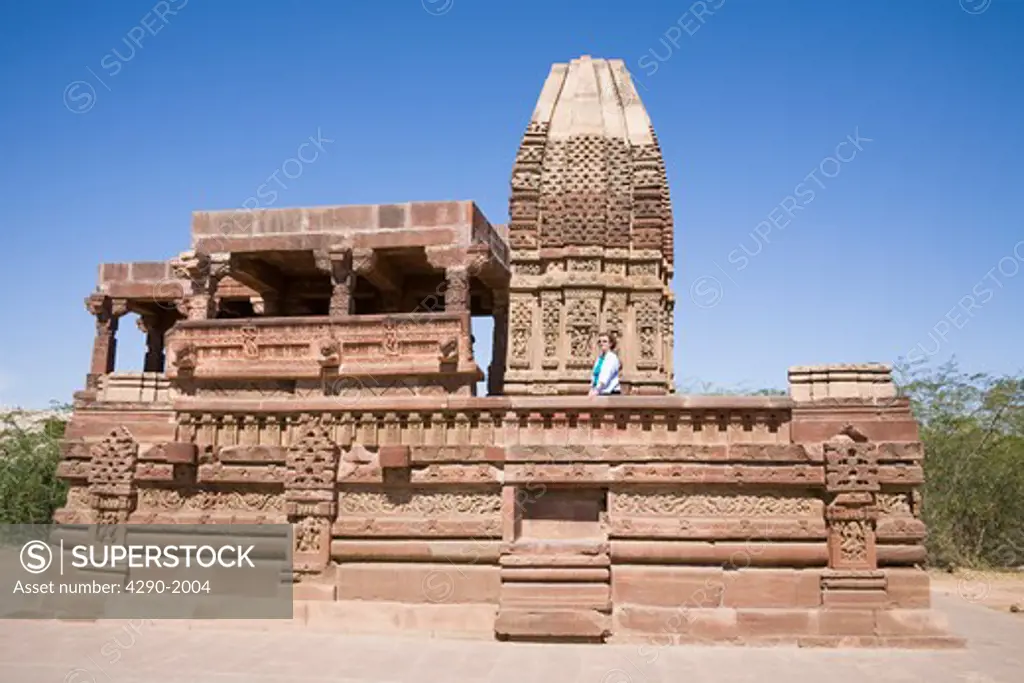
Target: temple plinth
316,367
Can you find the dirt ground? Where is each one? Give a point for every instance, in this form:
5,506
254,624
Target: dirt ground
999,590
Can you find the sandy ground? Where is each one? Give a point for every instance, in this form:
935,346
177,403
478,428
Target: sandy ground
997,590
109,652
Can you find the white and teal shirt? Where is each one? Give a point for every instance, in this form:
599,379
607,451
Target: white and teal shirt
606,373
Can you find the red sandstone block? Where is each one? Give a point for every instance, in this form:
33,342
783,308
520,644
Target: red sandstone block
657,622
202,223
494,454
277,221
911,622
774,622
397,239
556,595
554,574
922,642
418,583
314,591
180,453
776,588
394,457
339,218
846,622
391,215
552,623
855,599
149,270
908,587
805,430
114,272
684,587
838,641
889,554
430,214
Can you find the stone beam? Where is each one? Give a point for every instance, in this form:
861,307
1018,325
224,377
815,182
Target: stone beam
371,265
256,274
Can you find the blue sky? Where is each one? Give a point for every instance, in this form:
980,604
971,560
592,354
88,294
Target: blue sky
427,101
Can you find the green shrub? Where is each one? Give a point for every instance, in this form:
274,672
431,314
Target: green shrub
30,491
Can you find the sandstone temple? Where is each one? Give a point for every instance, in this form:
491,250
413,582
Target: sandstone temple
315,367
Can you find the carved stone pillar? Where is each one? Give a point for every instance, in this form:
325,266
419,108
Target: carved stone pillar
339,265
456,296
154,327
499,344
312,469
104,349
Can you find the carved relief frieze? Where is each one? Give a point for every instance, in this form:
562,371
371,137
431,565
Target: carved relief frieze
418,503
693,504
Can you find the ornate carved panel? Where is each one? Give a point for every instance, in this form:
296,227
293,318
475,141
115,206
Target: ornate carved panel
693,504
520,329
615,313
853,542
581,324
416,503
850,466
312,458
648,326
551,310
112,467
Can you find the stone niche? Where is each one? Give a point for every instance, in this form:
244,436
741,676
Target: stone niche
562,513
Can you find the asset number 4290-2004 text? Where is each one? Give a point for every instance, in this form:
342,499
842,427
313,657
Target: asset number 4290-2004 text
176,586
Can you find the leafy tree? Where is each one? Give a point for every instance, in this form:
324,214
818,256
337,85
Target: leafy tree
972,426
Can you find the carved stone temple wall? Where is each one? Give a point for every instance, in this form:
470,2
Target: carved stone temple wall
315,367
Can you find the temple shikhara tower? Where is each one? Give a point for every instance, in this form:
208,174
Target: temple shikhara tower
591,236
316,367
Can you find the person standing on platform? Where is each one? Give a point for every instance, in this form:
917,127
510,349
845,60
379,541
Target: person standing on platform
606,369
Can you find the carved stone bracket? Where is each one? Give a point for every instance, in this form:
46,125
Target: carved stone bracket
203,273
